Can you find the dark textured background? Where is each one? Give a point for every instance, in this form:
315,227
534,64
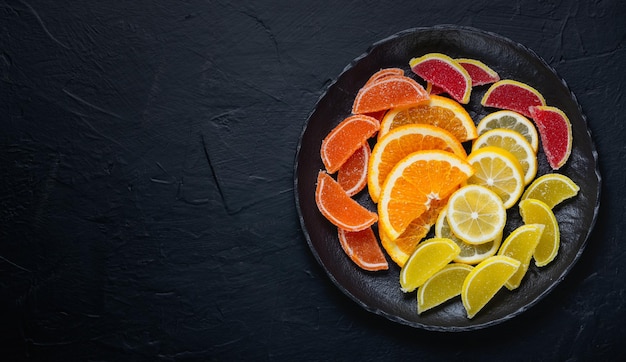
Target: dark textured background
146,192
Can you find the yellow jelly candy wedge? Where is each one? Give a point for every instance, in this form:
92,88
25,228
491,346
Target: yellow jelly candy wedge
537,212
551,188
520,245
429,257
485,280
441,287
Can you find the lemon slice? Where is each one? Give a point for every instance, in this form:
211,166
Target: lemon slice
516,144
520,245
470,254
442,286
537,212
513,121
551,188
429,257
476,214
485,280
498,170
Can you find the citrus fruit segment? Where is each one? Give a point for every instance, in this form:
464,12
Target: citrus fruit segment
513,121
352,175
513,142
470,254
513,95
399,143
520,245
485,280
443,71
428,258
478,71
551,188
555,130
442,286
414,184
498,170
385,72
400,248
339,208
537,212
388,92
476,214
438,111
363,249
345,139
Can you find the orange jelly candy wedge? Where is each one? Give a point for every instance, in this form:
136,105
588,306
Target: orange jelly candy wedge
339,208
363,249
352,175
388,92
385,72
345,139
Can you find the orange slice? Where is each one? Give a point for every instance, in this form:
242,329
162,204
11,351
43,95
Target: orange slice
555,131
347,137
363,249
438,111
385,72
388,92
402,141
444,72
339,208
352,175
512,95
414,183
479,72
401,248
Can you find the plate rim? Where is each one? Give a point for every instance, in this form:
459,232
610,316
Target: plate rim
399,319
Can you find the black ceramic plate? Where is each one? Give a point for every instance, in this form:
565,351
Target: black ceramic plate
379,292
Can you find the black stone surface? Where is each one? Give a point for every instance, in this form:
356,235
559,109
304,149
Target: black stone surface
146,189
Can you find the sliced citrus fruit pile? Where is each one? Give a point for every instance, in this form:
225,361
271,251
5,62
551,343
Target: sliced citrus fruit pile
551,188
430,257
414,184
512,95
442,286
419,174
556,134
485,280
362,247
399,143
438,111
445,73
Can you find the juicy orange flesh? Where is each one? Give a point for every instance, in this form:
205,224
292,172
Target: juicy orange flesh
363,249
513,97
352,175
389,92
402,147
339,208
429,181
433,115
443,75
345,139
